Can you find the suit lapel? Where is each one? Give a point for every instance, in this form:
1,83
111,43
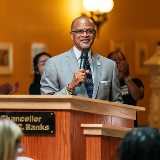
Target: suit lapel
72,61
73,65
97,65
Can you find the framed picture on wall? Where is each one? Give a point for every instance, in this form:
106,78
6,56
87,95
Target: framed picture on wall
117,46
6,58
36,48
141,55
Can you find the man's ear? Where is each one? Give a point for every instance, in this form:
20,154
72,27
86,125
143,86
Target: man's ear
71,35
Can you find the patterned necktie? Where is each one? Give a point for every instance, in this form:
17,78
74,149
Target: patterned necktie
88,80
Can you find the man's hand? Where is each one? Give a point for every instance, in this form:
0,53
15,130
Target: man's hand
79,76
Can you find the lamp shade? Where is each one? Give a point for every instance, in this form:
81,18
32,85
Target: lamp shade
105,5
100,5
90,5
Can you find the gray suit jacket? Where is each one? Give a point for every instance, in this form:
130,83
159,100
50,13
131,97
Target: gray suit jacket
59,71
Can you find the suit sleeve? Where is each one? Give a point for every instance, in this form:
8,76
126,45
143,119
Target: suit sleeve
49,80
115,93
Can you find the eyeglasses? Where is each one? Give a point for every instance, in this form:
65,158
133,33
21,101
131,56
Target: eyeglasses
42,63
89,31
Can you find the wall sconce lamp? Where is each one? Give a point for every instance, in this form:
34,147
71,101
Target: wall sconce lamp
98,10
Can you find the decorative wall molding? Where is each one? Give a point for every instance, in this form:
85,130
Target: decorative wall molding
154,66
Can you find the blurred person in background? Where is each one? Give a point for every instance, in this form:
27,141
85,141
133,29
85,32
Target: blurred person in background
8,88
38,64
132,88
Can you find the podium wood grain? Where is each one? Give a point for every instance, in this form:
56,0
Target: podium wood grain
69,142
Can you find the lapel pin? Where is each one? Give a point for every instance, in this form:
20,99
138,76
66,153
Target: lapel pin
98,64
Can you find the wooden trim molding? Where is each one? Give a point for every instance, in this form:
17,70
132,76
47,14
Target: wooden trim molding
69,102
105,130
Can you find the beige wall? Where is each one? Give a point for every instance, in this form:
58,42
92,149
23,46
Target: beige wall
24,22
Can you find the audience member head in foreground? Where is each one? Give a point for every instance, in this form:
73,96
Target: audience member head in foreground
10,140
140,144
38,64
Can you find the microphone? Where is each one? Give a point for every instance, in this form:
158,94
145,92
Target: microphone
84,57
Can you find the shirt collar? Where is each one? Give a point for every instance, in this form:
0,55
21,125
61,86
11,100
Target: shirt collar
78,53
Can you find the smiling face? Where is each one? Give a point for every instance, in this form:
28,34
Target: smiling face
84,40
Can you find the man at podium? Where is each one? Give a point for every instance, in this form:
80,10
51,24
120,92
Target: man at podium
80,71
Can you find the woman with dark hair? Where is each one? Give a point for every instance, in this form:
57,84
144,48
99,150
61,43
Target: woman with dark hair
38,63
140,144
132,88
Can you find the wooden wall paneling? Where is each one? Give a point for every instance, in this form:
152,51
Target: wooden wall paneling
78,139
93,145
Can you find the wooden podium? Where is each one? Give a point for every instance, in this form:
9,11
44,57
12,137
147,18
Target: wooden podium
85,129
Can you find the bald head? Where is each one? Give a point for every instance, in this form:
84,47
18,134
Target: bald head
81,18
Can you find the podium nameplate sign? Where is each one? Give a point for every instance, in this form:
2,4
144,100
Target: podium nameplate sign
32,122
